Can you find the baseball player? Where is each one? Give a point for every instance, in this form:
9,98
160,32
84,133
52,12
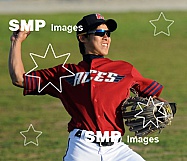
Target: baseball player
92,96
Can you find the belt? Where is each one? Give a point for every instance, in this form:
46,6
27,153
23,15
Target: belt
104,143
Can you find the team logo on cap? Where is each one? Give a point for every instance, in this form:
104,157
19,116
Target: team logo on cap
99,16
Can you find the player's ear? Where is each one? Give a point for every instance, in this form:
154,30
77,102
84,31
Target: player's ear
83,38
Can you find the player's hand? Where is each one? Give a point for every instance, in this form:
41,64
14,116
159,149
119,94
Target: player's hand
19,35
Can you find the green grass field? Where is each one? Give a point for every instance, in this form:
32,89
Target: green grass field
161,57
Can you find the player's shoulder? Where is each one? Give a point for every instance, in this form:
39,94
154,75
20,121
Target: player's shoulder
81,66
120,63
106,64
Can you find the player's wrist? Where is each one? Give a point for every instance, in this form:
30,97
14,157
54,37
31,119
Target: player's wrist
16,40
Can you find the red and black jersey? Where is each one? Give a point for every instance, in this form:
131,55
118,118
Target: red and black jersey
93,94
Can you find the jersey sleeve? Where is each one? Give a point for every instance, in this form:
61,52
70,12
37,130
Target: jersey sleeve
144,86
42,82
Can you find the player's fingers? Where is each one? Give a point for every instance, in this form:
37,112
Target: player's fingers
27,30
14,35
28,33
21,34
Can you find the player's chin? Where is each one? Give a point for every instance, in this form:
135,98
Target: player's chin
104,52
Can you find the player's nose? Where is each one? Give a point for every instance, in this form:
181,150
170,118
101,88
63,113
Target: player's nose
105,37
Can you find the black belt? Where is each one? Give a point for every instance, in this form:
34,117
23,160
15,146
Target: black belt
108,143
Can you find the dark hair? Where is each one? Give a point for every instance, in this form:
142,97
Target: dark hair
81,45
81,48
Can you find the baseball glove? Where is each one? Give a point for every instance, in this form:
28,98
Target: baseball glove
147,115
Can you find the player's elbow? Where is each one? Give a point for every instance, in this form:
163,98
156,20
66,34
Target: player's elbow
18,83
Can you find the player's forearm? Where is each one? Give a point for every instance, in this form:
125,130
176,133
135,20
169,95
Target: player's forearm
16,68
160,99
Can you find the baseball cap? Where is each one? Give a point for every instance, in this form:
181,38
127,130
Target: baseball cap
91,21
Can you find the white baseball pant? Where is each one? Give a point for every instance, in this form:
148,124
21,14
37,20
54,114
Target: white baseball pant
81,150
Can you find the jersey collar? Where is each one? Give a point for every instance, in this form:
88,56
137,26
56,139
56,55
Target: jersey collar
89,57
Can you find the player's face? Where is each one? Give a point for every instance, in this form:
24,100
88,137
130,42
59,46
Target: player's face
98,45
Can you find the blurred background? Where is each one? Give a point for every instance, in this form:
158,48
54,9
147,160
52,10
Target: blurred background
162,58
48,6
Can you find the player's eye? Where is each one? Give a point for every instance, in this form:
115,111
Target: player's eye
100,32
